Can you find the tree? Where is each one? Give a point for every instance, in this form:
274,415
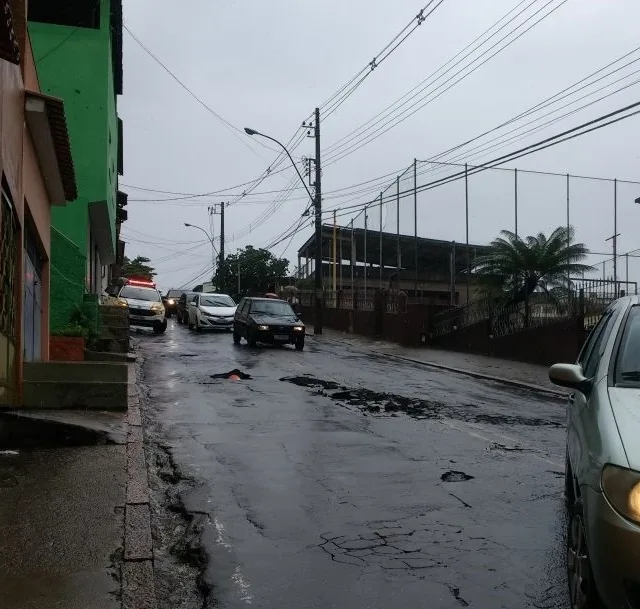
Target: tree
260,271
138,267
518,267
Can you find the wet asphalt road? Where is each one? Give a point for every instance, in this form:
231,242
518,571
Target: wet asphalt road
365,499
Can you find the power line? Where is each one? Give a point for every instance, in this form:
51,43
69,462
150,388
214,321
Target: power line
502,140
230,126
362,138
66,39
554,140
347,90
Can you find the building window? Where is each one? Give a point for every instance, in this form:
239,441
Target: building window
74,13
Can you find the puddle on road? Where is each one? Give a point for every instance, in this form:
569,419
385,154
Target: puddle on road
372,403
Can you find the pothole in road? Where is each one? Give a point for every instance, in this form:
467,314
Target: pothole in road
372,403
232,375
455,476
312,383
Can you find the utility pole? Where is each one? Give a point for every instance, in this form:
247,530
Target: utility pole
335,253
213,211
317,327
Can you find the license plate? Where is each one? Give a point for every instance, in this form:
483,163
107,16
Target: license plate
281,337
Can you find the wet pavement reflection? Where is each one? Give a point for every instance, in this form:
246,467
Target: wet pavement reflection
331,478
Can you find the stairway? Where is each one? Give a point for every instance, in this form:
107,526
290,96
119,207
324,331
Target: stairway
68,385
113,336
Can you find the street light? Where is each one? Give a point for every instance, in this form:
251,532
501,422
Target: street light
317,203
214,251
250,131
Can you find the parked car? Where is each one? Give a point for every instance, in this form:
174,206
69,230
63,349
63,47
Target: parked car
211,312
144,301
267,320
602,480
170,301
182,308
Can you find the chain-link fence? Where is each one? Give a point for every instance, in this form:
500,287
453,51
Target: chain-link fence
423,232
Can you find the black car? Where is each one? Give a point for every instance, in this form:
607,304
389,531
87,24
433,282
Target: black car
268,320
182,306
170,301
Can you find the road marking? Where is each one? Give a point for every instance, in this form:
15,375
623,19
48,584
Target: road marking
243,587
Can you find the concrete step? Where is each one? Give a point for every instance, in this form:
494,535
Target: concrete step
104,372
111,333
105,356
88,395
110,346
114,322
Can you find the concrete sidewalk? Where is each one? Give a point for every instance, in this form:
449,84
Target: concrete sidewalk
521,374
74,510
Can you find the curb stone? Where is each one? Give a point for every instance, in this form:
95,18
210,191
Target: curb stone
138,586
479,375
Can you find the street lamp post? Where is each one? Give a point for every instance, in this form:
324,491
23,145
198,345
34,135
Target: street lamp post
213,248
317,203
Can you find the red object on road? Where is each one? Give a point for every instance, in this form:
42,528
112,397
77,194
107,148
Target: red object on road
234,377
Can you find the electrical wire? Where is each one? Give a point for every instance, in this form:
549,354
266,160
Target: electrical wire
554,140
236,131
379,59
66,39
367,135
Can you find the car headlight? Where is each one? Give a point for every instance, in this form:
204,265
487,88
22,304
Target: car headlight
156,307
298,328
622,488
122,302
171,301
263,328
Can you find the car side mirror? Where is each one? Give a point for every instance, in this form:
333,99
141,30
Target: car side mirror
568,375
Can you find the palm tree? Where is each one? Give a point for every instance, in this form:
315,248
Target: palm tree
520,266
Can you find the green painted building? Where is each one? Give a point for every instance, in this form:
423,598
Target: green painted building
77,46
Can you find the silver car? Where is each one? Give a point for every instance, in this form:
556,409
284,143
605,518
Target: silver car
602,482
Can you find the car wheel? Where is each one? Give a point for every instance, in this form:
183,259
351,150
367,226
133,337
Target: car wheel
300,343
583,593
160,328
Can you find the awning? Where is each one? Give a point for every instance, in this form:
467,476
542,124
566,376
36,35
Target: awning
9,47
48,127
101,231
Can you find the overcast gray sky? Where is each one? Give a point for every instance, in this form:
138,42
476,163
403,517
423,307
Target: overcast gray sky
269,64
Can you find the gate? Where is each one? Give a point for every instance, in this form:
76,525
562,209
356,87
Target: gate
8,267
32,307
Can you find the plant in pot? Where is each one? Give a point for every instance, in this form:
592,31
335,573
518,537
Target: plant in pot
67,343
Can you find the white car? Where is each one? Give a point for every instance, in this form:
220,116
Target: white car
145,304
212,312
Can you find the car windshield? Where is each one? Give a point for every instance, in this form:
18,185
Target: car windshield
174,294
272,307
140,294
219,300
628,363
